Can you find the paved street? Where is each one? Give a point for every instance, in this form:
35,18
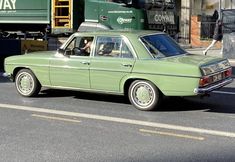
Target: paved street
74,126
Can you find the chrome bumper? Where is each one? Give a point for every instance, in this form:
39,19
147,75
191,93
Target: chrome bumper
210,88
7,75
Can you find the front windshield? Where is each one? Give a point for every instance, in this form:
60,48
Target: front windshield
162,45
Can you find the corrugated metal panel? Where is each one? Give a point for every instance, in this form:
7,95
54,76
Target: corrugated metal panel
25,11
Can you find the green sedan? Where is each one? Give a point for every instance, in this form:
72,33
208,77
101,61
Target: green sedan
144,65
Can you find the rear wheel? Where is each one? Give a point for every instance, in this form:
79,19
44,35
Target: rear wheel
144,95
26,83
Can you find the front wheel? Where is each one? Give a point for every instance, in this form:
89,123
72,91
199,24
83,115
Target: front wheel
26,83
144,95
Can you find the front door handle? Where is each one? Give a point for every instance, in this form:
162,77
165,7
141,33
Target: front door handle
85,62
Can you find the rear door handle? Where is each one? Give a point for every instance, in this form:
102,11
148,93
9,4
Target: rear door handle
127,65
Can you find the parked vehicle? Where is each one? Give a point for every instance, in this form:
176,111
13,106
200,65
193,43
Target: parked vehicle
65,16
143,65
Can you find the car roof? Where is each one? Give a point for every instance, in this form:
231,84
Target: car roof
137,33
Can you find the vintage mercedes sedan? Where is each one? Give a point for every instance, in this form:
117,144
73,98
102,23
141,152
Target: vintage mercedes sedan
144,65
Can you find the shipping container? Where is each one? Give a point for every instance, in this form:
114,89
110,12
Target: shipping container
24,14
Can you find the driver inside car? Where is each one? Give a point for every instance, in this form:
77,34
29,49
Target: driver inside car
87,46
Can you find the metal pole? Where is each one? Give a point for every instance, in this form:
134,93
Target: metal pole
219,9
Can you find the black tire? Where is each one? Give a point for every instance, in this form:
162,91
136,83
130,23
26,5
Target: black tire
26,83
144,95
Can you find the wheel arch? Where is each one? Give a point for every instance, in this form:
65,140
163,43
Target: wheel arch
17,69
128,82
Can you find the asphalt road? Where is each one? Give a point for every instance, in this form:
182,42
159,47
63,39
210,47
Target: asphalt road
76,126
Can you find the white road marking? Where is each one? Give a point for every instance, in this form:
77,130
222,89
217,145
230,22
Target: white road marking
172,134
120,120
55,118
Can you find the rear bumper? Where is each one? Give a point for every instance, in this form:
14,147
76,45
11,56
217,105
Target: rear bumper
210,88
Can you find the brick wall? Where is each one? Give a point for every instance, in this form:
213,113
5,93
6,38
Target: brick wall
195,34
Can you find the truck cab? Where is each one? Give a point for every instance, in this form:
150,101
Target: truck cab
129,14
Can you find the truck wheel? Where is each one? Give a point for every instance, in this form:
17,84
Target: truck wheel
144,95
26,83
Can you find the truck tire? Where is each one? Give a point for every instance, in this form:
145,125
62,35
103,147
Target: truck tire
144,95
26,83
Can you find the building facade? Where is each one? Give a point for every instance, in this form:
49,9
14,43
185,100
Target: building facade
198,18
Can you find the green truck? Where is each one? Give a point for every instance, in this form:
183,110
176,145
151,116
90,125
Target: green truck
68,16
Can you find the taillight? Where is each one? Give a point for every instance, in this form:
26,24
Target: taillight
228,73
204,81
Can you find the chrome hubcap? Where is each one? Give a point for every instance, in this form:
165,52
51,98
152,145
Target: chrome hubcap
25,83
143,95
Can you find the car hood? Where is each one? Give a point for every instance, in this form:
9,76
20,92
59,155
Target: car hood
40,54
33,55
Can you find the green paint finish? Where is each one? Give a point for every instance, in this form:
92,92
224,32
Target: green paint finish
114,15
25,11
177,75
75,74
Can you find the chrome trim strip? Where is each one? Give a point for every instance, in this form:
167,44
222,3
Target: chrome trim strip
213,87
28,65
171,75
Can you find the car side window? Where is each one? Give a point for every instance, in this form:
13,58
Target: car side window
125,51
80,46
112,47
71,44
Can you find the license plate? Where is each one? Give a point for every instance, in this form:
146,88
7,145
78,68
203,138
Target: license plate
217,77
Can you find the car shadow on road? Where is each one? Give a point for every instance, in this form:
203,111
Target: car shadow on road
4,79
217,103
84,95
181,104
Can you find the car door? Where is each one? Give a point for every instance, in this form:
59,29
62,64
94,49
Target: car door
71,69
112,61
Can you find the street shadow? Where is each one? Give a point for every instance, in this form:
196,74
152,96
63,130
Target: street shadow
4,79
180,104
216,103
83,95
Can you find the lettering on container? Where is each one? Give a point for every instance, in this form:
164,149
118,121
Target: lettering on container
122,20
160,17
7,6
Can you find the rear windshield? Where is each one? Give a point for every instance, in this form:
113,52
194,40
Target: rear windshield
162,45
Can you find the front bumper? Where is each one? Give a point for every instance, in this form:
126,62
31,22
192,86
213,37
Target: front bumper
207,89
7,75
